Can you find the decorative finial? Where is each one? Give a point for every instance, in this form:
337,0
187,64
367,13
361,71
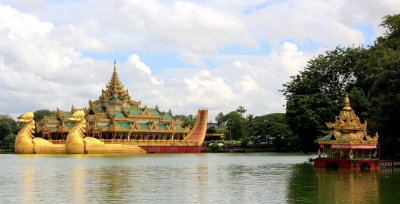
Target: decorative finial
115,66
347,102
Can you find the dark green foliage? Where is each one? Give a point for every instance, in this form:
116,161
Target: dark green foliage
8,130
235,125
330,73
5,129
11,122
8,142
244,142
241,110
211,130
219,119
371,75
274,126
306,115
39,114
257,129
189,120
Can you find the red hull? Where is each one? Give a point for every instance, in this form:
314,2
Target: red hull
337,163
172,149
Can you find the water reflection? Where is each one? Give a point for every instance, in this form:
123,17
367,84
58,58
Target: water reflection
177,178
320,185
78,184
28,184
188,178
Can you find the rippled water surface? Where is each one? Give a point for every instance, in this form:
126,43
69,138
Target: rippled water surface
188,178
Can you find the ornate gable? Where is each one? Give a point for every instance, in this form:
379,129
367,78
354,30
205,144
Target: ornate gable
348,128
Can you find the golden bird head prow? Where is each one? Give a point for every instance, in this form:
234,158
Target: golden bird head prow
26,118
78,116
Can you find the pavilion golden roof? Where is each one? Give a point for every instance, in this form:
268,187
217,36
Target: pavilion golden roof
348,128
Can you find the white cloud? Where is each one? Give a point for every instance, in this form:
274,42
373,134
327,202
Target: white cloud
135,61
77,36
248,84
21,26
184,25
304,20
291,59
204,88
37,71
41,64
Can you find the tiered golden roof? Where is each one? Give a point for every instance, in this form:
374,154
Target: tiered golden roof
113,112
348,129
115,89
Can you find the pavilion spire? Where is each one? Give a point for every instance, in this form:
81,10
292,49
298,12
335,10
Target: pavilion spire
347,102
114,88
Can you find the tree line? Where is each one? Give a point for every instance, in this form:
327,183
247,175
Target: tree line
371,76
238,126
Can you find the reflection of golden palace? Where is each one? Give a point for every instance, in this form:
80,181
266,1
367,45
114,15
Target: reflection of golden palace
77,143
25,143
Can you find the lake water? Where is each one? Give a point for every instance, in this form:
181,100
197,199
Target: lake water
188,178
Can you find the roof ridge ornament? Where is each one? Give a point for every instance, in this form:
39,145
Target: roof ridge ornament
114,88
347,102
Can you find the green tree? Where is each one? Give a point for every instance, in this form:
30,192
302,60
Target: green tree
235,126
370,74
331,73
211,130
384,86
8,143
40,114
249,125
188,120
274,125
220,119
5,129
8,129
307,115
12,123
241,110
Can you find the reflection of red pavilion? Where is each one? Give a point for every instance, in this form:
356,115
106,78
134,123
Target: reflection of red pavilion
348,186
348,145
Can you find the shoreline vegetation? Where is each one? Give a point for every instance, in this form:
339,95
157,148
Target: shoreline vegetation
223,146
369,74
371,77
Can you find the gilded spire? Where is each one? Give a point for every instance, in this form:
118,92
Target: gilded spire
347,102
115,89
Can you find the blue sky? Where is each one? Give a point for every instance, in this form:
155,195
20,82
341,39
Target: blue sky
180,55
